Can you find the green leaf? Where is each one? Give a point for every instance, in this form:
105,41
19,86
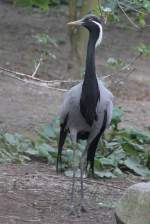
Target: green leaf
129,149
134,165
51,160
69,173
24,2
42,38
148,128
48,131
32,152
45,39
112,61
117,172
143,48
23,158
116,117
141,19
107,162
116,156
41,4
115,62
44,150
109,5
67,156
102,174
10,139
138,135
97,163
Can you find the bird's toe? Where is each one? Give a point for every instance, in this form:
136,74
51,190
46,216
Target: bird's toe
83,207
73,211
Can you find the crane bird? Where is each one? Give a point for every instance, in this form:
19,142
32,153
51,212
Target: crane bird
87,107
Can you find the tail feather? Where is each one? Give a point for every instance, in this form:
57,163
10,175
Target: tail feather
62,137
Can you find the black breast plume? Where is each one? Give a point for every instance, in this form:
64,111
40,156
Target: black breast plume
88,102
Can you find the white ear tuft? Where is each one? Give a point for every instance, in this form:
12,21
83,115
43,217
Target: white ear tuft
99,40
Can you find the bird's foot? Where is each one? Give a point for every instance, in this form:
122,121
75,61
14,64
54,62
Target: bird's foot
73,211
83,208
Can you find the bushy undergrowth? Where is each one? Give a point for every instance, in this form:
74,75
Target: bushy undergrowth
42,4
120,152
139,8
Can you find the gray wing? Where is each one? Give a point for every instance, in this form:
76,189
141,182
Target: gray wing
106,102
71,101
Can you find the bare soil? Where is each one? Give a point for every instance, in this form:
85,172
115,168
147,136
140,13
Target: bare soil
33,193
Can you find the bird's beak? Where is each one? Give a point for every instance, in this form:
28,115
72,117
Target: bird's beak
75,23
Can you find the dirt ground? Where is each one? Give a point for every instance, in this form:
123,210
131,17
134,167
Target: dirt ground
33,193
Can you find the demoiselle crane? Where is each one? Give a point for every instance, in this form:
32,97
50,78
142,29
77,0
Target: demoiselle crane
87,107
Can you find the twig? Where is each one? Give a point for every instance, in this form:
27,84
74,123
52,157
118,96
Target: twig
37,67
23,75
15,77
17,73
37,79
126,67
34,81
132,61
130,20
53,83
134,9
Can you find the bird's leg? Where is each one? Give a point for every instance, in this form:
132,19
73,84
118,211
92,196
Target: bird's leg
72,207
82,206
82,168
73,178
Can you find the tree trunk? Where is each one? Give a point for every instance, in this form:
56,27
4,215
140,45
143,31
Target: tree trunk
78,37
73,66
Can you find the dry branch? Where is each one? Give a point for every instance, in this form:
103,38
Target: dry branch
130,20
37,67
125,68
32,80
55,84
24,75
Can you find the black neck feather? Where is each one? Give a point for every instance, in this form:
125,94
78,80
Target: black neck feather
90,58
90,91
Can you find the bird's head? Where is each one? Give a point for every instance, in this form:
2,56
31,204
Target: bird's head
92,23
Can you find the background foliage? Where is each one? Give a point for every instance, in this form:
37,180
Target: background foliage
141,8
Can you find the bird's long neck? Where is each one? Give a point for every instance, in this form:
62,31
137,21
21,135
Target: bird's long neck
90,90
90,71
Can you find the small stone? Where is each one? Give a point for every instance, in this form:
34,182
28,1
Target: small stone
134,205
